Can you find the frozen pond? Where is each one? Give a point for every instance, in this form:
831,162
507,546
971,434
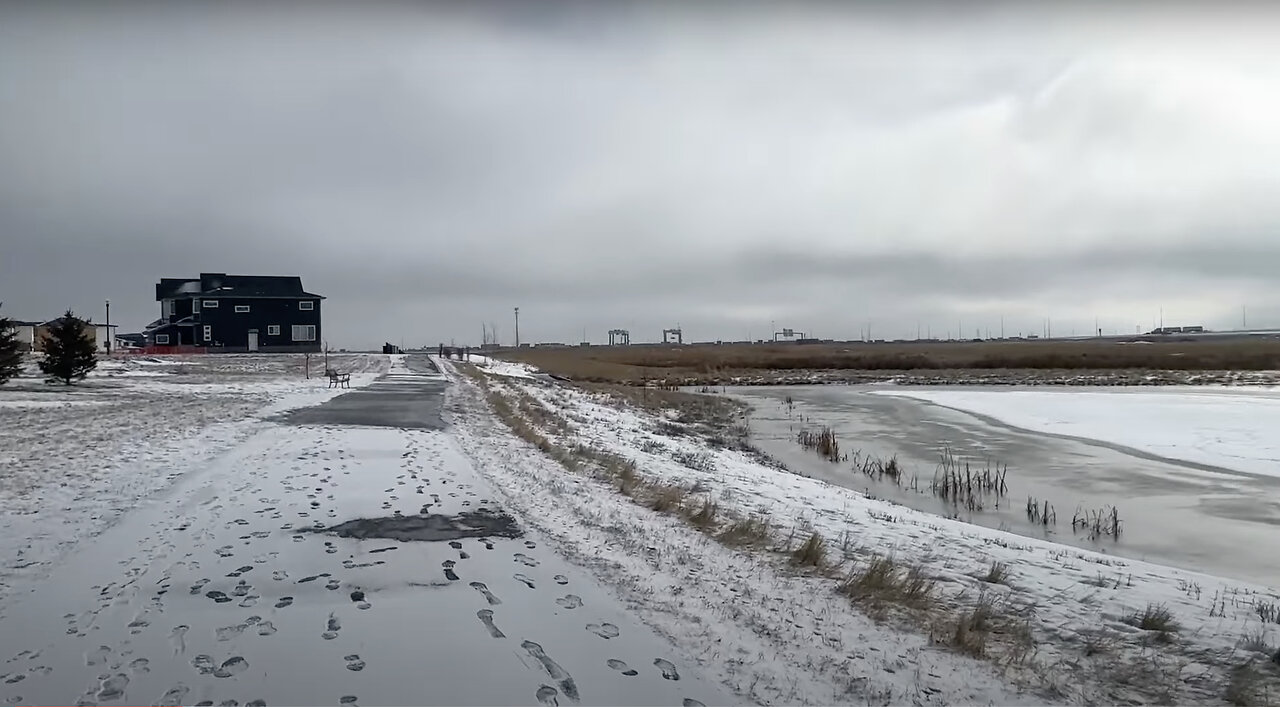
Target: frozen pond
1181,512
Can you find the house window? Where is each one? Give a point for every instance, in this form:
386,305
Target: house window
306,305
208,333
273,330
241,308
211,304
168,308
162,338
304,332
195,306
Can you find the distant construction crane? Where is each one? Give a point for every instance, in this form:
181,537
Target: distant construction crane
619,337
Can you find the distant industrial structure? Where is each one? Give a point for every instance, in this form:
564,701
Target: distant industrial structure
619,337
676,332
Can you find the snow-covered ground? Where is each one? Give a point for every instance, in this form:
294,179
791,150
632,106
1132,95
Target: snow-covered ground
783,637
236,587
1229,428
73,459
499,367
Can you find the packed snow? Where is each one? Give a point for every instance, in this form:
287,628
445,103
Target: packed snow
722,605
1228,428
74,459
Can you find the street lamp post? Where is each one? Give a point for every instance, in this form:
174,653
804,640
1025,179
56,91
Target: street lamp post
517,327
108,327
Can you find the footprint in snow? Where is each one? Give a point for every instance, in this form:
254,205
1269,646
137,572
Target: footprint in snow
621,667
570,601
231,666
524,579
561,579
525,560
605,630
668,669
354,663
691,703
547,696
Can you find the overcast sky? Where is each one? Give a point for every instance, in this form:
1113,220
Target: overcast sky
428,168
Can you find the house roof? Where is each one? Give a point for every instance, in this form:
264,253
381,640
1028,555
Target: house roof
59,319
224,285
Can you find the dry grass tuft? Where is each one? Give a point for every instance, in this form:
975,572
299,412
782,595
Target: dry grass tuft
666,498
972,628
1245,686
813,553
882,579
704,517
1155,617
752,531
998,573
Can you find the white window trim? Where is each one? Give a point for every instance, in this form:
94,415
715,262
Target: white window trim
308,305
208,333
162,339
273,330
242,308
210,304
308,332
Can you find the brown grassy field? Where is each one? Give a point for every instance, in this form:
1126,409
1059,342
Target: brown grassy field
639,364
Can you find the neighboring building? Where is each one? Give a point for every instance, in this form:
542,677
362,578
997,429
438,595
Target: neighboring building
26,334
31,334
232,313
100,334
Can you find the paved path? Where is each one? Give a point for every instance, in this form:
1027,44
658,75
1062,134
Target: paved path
228,590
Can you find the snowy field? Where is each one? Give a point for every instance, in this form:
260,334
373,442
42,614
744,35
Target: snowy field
72,460
776,635
1228,428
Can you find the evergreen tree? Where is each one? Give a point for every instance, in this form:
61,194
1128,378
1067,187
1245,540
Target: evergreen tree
69,352
10,351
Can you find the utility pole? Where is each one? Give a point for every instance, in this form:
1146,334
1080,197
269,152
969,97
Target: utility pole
109,327
1244,316
517,327
1001,326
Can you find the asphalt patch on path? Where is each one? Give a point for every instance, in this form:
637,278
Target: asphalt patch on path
429,528
408,401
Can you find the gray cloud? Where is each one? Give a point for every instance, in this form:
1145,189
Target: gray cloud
599,165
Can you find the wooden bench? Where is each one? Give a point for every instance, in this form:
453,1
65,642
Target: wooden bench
338,379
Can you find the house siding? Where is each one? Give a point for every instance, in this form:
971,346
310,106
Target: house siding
230,329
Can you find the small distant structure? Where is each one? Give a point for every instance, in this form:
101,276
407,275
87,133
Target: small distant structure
1177,330
389,348
462,353
788,334
667,333
619,337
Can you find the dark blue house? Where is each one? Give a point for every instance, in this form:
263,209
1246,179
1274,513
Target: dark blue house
236,313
